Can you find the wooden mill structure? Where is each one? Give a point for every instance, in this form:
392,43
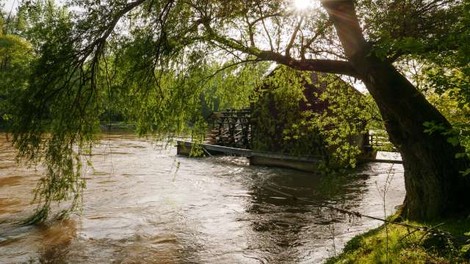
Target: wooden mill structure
268,133
230,128
231,134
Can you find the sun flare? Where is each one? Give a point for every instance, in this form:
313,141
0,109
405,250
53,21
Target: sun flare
302,5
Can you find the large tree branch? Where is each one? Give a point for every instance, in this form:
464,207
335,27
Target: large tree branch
262,19
327,66
320,31
110,28
250,31
343,15
319,65
293,37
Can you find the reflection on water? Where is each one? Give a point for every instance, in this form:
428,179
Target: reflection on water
147,205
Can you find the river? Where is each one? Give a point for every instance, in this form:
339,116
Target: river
144,204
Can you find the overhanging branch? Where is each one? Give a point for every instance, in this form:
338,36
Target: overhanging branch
319,65
327,66
99,42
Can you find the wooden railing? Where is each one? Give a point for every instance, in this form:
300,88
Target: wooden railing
380,142
231,128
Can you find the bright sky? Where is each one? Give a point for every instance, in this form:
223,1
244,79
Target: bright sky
300,5
9,4
304,4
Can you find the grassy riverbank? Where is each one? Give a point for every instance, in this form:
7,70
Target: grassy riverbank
446,241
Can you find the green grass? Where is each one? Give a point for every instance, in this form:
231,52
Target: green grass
447,242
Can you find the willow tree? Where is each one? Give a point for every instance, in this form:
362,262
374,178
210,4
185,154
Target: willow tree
360,39
15,58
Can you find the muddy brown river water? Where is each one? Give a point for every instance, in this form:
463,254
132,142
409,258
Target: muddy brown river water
144,204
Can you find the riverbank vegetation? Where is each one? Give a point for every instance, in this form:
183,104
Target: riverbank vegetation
410,242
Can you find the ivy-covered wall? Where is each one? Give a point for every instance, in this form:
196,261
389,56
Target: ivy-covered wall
309,114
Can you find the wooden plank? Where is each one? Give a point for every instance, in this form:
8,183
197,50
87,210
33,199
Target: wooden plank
285,157
273,160
268,159
228,150
381,160
213,149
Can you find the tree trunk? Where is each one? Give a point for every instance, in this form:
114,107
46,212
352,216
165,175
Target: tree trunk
434,186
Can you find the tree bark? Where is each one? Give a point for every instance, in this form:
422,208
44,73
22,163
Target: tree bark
434,186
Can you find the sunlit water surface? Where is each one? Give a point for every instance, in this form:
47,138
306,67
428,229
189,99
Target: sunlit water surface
144,204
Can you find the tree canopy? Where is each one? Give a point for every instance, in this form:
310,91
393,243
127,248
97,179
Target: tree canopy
15,58
157,57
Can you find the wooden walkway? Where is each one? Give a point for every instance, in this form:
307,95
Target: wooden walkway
184,148
266,159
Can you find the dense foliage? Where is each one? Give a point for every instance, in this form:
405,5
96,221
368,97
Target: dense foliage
16,57
310,114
